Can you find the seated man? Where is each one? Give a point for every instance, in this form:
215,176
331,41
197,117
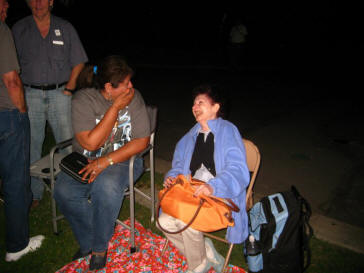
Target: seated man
111,124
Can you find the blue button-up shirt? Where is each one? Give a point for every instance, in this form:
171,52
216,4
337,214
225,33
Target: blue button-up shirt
48,60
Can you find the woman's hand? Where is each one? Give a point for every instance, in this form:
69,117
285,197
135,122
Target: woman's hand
124,99
205,189
94,168
168,182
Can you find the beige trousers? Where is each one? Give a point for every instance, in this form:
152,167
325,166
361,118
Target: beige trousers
190,242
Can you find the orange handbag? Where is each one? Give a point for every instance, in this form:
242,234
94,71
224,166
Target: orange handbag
203,213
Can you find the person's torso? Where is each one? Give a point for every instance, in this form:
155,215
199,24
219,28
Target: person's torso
43,60
124,130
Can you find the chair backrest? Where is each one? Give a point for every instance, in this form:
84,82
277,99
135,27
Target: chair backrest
253,161
152,113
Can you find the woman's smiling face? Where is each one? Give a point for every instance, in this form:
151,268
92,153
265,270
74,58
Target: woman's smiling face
204,109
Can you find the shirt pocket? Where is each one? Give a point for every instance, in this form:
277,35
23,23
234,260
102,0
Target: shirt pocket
58,55
28,55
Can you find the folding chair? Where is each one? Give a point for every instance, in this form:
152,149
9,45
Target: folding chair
47,169
253,162
152,113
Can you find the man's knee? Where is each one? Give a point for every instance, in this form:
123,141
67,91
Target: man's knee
110,182
59,192
62,191
109,189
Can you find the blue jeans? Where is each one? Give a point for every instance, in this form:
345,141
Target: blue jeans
52,106
14,172
92,209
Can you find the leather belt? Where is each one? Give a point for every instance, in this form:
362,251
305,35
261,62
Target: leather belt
45,87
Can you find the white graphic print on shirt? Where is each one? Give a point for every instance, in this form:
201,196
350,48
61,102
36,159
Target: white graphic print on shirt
120,135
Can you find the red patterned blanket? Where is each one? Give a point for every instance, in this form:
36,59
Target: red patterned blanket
148,259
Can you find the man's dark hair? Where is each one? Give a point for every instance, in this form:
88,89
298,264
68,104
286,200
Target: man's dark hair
112,69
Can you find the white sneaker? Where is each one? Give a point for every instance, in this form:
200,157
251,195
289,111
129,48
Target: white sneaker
34,243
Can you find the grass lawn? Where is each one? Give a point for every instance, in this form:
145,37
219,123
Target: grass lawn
57,250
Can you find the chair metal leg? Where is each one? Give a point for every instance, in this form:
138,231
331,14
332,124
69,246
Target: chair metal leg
59,146
227,258
132,210
164,247
152,186
55,218
53,202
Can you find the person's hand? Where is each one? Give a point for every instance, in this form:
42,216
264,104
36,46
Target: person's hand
94,168
67,90
22,108
205,189
168,182
124,99
67,93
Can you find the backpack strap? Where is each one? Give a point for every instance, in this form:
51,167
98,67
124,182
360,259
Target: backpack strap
307,230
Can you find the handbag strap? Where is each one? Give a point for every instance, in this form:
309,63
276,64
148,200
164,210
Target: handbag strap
230,204
227,201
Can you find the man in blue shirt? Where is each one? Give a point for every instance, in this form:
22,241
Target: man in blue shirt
51,57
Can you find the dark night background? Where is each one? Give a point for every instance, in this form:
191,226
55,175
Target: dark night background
300,57
313,39
315,35
310,42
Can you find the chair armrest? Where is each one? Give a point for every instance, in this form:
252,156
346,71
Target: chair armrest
60,145
147,149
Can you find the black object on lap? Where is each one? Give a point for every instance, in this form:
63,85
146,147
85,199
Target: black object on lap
72,164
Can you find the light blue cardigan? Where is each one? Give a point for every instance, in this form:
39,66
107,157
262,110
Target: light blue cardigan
232,174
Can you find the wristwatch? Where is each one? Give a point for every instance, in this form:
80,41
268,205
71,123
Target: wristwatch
111,162
70,90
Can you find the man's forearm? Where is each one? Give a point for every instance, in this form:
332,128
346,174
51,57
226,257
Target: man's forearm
131,148
15,90
95,138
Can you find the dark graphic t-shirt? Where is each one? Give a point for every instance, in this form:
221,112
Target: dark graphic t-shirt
88,109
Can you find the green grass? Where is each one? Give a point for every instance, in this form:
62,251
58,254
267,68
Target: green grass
57,250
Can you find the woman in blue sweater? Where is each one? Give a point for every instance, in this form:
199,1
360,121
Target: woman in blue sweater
212,151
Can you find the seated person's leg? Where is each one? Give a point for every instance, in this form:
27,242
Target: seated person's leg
195,249
169,223
72,200
106,198
189,242
213,256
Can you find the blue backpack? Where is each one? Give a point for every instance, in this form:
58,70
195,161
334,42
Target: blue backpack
279,234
